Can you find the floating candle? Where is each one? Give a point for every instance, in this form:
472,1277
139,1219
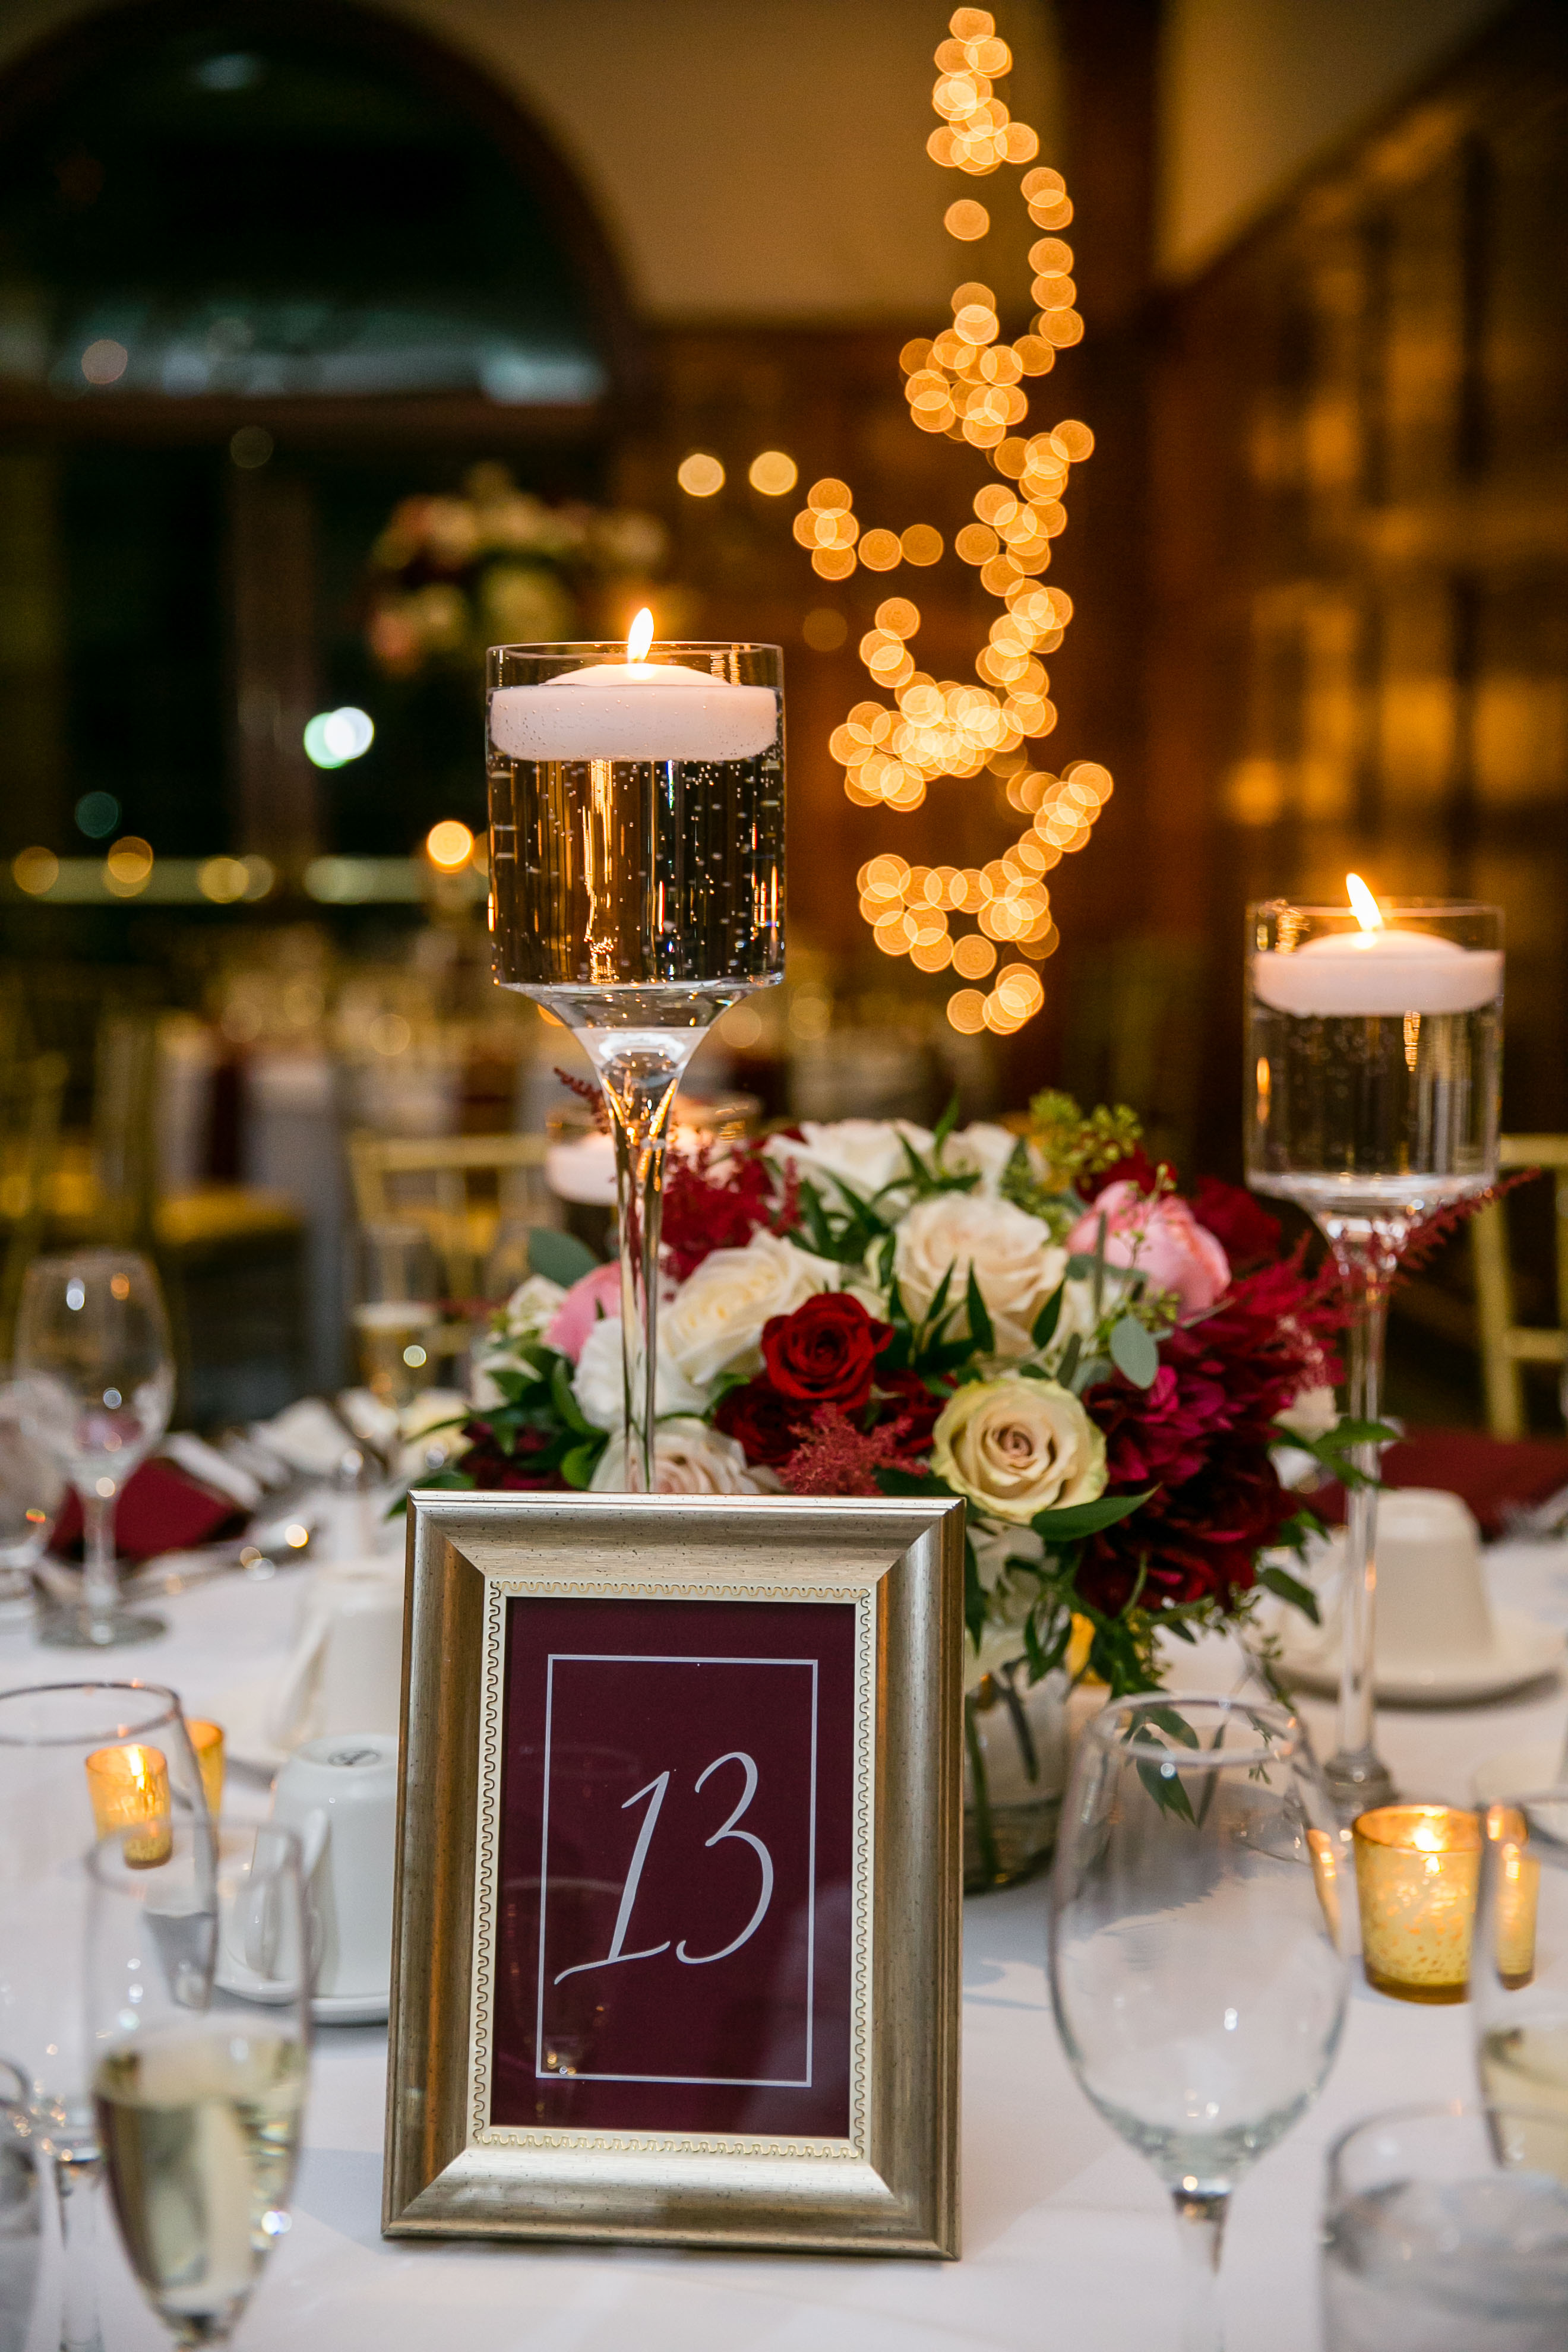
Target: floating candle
1417,1868
1377,969
635,709
128,1786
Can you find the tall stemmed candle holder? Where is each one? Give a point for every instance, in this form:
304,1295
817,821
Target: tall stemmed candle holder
637,877
1373,1048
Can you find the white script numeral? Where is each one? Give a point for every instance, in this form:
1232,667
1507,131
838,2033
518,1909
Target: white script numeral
655,1790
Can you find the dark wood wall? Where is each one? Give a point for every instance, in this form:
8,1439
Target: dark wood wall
1359,552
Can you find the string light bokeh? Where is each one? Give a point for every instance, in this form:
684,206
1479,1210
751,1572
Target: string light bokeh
968,384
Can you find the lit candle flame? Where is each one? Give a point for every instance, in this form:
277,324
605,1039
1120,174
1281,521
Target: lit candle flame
1368,913
639,637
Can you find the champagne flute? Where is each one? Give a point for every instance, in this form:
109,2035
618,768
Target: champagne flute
1197,1965
97,1370
1373,1048
637,865
1519,1968
397,1313
200,2093
48,1734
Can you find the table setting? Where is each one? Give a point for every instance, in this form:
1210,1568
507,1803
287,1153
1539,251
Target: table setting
499,1862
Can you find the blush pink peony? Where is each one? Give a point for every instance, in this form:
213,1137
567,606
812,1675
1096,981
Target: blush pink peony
1161,1239
595,1296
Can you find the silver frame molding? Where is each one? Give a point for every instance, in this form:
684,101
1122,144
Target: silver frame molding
891,2186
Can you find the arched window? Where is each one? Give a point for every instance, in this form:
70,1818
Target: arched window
265,267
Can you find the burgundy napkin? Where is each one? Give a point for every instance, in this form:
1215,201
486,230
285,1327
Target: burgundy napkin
1487,1473
162,1509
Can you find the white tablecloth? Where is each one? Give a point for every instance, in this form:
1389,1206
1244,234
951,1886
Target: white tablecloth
1068,2237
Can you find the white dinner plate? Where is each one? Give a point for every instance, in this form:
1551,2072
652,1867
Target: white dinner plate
1517,1772
1522,1650
327,2009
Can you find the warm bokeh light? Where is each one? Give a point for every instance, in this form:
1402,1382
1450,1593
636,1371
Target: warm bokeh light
970,384
36,871
105,361
639,637
824,629
450,844
700,475
128,868
773,473
224,880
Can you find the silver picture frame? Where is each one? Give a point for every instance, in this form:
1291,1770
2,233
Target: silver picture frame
891,2185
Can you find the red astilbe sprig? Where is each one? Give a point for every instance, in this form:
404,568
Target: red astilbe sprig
1426,1239
838,1459
586,1092
719,1202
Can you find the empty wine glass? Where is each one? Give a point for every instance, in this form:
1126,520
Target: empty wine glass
1518,1971
135,1736
31,1486
97,1373
199,2088
397,1311
1196,1953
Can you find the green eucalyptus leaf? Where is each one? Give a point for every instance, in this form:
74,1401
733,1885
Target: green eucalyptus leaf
1133,1352
1290,1588
559,1256
1077,1519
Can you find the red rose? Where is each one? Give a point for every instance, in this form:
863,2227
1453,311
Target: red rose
905,1400
824,1352
766,1427
1243,1230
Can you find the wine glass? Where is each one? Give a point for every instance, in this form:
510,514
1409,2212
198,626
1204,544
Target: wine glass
1374,1049
637,877
21,2218
397,1312
97,1370
48,1822
1197,1965
30,1491
1519,1968
199,2090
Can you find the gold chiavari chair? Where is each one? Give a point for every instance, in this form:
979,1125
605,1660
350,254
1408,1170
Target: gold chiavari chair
1506,1344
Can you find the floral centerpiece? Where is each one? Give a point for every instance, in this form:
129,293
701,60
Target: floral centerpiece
495,566
1038,1322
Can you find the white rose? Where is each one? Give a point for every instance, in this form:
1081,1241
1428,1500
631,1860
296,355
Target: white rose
597,1381
1015,1263
1017,1446
867,1153
532,1306
714,1323
688,1458
985,1149
1311,1414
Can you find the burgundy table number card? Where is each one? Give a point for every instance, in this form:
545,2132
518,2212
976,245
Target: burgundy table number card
677,1954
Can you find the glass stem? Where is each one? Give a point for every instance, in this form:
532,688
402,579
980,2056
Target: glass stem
1200,2222
100,1581
1357,1775
639,1089
76,2182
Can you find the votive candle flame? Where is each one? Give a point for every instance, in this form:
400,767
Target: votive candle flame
1417,1869
207,1738
128,1786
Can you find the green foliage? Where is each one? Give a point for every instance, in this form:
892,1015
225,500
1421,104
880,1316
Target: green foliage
559,1255
1073,1143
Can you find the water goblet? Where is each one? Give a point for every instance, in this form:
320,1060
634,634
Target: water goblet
636,874
1445,2230
199,2089
48,1734
31,1486
1374,1047
1196,1963
97,1373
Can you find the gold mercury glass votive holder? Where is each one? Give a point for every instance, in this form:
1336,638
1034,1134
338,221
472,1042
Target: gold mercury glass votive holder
207,1738
1417,1870
129,1785
1517,1897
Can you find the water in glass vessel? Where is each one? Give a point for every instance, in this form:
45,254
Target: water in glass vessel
1374,1047
637,863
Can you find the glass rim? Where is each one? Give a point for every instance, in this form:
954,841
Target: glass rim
1389,906
1420,2111
172,1711
1291,1741
655,645
213,1825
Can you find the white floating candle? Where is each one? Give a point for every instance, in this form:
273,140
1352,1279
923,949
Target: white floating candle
635,709
1376,970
